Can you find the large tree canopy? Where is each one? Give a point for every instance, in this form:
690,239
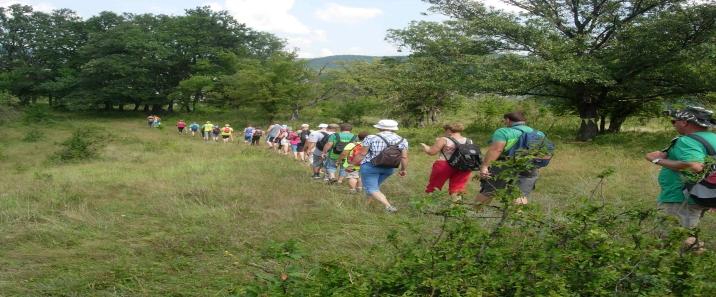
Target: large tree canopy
605,59
112,60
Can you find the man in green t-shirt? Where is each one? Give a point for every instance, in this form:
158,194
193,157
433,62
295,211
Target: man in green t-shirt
502,140
684,154
334,147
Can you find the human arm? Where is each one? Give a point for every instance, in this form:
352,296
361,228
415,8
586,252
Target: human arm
329,144
404,163
673,164
493,153
436,148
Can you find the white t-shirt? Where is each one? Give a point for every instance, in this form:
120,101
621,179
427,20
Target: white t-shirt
315,137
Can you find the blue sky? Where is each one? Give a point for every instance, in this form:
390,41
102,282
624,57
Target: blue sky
314,27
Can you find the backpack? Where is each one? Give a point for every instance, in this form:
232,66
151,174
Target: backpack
341,145
353,151
216,130
390,156
466,156
304,135
703,192
227,130
258,132
321,143
534,142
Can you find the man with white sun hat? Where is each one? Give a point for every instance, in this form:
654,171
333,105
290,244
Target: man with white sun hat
380,155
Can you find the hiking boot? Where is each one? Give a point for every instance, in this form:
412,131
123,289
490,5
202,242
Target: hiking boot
316,176
332,181
391,209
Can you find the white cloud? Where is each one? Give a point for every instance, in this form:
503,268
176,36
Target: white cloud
336,13
325,52
37,6
215,6
267,15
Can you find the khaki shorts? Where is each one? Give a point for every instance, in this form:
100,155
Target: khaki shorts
355,174
688,214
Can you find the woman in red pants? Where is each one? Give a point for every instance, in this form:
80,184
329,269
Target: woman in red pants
442,171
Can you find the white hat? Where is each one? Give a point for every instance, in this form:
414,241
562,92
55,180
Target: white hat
322,125
387,125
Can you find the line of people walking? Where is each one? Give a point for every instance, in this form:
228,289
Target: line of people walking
365,160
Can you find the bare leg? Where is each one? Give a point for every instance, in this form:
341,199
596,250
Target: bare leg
381,198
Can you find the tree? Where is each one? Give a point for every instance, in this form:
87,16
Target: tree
604,58
274,84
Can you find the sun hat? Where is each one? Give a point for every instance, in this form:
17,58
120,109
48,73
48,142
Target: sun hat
391,125
693,114
227,125
322,125
305,126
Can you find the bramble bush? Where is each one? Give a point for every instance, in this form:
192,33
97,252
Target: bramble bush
84,144
505,250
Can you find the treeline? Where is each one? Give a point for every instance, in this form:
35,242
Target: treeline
603,61
112,61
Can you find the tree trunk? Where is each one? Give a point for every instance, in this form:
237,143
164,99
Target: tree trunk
146,107
108,106
602,123
295,112
588,111
136,106
157,108
120,107
170,108
616,122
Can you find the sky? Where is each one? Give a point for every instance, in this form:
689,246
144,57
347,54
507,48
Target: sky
315,28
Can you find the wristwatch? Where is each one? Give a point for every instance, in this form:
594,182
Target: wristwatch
656,161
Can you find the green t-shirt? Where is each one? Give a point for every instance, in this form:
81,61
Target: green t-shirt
344,137
685,149
509,136
208,127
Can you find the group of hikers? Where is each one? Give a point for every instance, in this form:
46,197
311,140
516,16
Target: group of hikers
365,160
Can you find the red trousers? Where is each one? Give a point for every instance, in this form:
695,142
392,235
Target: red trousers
442,171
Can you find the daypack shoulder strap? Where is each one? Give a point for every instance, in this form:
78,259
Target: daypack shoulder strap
709,148
384,140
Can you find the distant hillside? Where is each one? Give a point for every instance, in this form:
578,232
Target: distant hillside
333,61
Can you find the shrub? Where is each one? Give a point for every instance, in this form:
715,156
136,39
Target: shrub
84,144
595,250
36,114
33,135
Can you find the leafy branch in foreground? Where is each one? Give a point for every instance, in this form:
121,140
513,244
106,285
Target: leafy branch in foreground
592,250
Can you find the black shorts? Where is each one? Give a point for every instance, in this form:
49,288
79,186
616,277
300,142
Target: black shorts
225,136
277,140
181,129
271,138
525,182
300,147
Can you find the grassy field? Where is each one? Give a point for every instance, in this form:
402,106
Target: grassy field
158,214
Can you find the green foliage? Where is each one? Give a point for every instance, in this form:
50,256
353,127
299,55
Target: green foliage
84,144
604,60
33,135
594,250
37,114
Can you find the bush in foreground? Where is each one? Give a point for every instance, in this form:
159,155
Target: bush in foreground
594,250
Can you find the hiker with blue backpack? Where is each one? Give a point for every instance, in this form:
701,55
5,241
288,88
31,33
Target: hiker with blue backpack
458,156
687,200
514,140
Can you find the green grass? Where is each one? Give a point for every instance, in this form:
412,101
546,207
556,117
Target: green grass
156,213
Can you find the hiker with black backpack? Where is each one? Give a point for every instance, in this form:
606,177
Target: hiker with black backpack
507,143
334,147
380,155
688,201
457,158
313,140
